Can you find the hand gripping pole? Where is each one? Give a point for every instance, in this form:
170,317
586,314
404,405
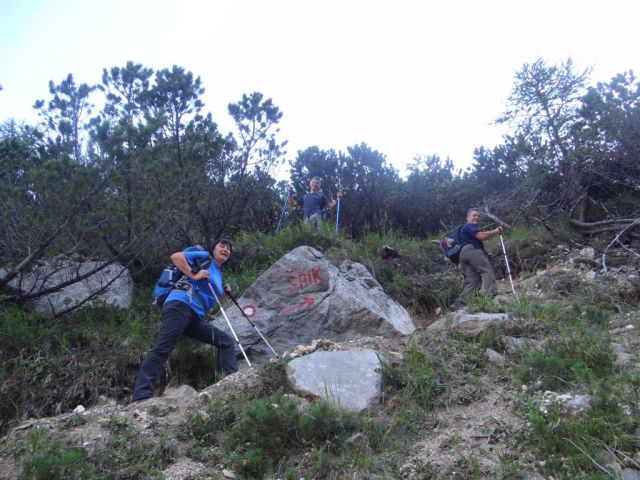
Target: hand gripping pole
252,324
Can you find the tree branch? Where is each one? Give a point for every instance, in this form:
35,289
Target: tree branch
616,239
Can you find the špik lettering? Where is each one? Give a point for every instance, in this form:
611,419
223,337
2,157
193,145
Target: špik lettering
298,280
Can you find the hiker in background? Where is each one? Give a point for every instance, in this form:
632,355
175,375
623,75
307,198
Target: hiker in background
474,261
313,203
183,312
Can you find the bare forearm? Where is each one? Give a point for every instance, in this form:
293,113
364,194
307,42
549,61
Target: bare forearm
488,234
180,261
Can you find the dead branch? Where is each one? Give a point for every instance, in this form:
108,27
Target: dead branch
495,218
612,221
46,242
526,205
615,240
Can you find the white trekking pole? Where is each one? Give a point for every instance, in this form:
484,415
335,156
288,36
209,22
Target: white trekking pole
229,324
233,299
506,261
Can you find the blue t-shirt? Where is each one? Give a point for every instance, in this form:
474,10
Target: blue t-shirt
200,287
312,203
467,233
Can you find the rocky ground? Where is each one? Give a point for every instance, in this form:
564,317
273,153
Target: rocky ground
476,420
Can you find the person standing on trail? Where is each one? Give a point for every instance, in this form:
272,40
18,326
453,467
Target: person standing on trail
312,203
474,261
183,312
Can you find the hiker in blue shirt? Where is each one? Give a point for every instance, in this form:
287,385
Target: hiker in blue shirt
183,312
313,203
474,261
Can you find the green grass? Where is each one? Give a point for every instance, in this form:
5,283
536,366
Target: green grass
125,453
574,445
256,434
577,358
265,433
271,434
415,378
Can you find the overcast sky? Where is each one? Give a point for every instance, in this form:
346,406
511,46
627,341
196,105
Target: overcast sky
406,77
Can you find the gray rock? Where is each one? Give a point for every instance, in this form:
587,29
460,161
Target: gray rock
349,379
111,285
495,357
574,403
513,344
356,441
180,391
623,358
474,324
303,297
588,252
628,474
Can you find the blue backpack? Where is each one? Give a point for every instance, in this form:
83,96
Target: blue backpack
172,278
450,245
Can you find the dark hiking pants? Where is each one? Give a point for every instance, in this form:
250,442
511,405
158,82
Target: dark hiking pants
477,271
179,319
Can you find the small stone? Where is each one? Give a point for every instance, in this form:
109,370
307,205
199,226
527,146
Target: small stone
495,357
588,252
79,409
228,474
355,441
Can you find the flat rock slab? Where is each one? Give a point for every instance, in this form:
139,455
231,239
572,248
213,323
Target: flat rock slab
350,379
474,324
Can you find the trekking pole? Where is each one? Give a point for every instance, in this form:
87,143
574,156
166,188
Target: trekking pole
506,260
338,215
284,209
229,323
233,299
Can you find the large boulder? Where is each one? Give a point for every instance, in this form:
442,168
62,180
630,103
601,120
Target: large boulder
304,297
61,283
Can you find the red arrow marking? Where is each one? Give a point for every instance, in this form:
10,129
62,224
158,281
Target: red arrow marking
306,301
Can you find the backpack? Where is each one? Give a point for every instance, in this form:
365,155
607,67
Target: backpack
172,278
450,245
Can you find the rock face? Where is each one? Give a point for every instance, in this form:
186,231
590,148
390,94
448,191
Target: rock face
111,285
349,379
472,325
304,297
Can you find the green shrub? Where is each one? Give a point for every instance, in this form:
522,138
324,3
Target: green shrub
254,463
272,429
269,424
415,379
573,445
208,426
59,461
579,355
